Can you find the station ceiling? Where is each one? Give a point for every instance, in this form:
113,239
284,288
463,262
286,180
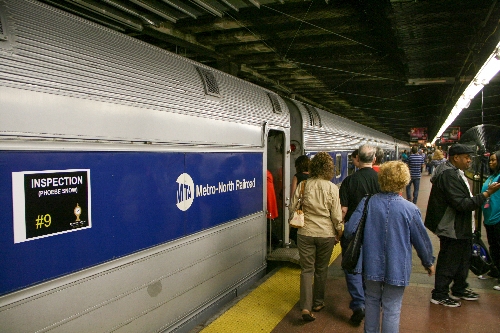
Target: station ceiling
389,65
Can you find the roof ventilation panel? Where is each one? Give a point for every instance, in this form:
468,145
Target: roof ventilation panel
314,118
3,34
276,103
5,39
209,82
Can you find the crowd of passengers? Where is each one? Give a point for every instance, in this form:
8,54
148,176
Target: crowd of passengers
393,226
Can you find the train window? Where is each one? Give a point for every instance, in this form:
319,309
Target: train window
350,166
338,165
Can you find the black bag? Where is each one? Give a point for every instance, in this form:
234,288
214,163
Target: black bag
480,261
351,255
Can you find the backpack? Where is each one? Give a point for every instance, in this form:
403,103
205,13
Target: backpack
480,262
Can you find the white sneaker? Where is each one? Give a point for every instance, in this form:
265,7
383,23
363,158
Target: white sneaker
496,287
446,302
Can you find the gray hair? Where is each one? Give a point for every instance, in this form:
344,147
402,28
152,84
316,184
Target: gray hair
379,156
366,153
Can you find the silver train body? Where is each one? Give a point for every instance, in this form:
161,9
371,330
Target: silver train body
133,180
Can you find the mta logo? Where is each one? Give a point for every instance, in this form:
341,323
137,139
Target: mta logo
185,192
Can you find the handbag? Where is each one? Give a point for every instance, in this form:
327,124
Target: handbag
351,255
297,219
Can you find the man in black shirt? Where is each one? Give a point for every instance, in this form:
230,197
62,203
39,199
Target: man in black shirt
353,189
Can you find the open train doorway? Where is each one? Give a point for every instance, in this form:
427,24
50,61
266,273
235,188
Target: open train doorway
275,189
278,232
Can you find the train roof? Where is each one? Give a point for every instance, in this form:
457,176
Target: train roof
57,53
323,130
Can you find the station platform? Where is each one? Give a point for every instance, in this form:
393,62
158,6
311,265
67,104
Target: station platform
272,304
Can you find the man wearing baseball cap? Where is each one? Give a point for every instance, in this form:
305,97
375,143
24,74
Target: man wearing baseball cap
450,216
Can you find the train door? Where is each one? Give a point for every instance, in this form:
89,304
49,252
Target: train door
277,175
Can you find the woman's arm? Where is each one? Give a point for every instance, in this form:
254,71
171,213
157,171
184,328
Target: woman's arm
293,200
420,240
294,186
336,217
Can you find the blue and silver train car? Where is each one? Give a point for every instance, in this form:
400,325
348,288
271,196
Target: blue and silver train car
313,130
132,180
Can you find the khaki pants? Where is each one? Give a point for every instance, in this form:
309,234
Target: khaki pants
315,254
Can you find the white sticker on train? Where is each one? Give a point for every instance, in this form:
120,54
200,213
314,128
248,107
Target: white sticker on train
186,190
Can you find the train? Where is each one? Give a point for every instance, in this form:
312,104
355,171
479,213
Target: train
133,180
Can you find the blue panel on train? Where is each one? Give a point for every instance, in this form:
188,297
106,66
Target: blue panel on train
226,186
133,200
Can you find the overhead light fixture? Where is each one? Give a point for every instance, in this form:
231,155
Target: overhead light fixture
489,69
426,81
472,90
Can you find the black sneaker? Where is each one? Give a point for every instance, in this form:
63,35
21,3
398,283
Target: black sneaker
446,302
357,316
467,295
494,273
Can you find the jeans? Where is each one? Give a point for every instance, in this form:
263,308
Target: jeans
452,266
386,299
315,254
416,186
493,235
355,284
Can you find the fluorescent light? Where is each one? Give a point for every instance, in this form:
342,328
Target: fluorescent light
489,69
462,103
472,90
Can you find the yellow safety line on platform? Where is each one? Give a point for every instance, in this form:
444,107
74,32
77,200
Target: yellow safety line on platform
263,308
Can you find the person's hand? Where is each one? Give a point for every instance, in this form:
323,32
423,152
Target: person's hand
493,188
339,232
431,270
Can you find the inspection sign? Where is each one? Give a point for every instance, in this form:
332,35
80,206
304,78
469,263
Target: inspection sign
50,202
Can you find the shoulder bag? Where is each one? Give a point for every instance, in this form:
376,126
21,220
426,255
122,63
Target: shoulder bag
351,255
297,219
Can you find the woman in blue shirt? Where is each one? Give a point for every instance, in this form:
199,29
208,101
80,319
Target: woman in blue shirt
491,212
392,226
404,156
